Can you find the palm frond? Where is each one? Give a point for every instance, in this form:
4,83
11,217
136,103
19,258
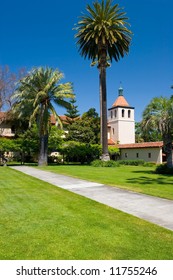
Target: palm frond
104,24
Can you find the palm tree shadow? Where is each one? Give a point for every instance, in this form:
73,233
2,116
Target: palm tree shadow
145,180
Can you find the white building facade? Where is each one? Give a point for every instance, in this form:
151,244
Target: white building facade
121,121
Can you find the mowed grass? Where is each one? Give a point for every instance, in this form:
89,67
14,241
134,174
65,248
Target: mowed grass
135,178
40,221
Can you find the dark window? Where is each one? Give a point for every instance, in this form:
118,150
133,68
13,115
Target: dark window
115,113
123,113
129,114
137,155
149,155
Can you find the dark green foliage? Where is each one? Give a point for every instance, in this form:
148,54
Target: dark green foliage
85,129
100,163
92,120
80,152
72,112
164,169
132,162
80,131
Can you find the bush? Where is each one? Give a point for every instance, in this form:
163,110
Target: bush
164,169
132,162
100,163
80,152
149,164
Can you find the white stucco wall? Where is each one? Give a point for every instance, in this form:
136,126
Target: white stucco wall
122,125
147,154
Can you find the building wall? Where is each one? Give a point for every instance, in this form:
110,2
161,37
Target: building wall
5,130
147,154
122,125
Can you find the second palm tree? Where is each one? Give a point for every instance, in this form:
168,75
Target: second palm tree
102,35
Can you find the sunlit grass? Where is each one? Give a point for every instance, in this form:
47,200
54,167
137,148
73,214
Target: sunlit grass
135,178
40,221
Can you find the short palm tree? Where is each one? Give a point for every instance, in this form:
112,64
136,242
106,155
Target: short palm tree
35,97
158,115
102,35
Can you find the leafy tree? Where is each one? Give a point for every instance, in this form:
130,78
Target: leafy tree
102,35
55,138
80,131
158,115
72,112
28,142
7,145
34,99
92,120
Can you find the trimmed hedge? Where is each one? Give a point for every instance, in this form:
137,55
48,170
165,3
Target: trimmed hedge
100,163
132,162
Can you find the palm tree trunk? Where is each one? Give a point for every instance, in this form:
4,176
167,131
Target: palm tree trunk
42,160
43,136
168,150
103,107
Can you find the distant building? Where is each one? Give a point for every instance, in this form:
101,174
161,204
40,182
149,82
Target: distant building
121,122
7,129
121,133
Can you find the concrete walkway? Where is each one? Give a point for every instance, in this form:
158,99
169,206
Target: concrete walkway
156,210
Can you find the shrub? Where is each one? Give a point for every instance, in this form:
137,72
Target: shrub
149,164
80,152
164,169
100,163
132,162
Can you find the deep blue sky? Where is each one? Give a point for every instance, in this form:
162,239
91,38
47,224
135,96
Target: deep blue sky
39,33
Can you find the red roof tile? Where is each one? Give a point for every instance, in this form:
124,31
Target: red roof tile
141,145
120,101
111,142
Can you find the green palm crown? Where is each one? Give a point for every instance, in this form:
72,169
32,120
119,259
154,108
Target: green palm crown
104,27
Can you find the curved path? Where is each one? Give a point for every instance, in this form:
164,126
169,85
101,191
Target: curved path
153,209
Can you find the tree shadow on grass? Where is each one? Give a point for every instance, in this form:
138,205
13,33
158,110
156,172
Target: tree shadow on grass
144,180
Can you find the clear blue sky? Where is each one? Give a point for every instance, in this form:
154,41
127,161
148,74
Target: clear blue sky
39,33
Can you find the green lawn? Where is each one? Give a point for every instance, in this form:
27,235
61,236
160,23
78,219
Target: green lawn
40,221
135,178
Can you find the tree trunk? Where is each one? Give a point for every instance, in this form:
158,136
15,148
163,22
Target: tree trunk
103,106
42,160
168,150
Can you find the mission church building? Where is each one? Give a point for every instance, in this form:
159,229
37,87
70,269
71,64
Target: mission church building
121,133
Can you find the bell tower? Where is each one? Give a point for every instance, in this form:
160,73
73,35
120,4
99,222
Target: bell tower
121,122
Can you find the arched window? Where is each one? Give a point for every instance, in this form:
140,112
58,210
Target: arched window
129,114
111,114
115,113
123,111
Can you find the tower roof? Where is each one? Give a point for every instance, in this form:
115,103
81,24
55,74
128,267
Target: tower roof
120,101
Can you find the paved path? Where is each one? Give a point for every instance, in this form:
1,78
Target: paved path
156,210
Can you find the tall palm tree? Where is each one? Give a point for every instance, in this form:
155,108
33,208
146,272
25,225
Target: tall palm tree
102,35
35,97
158,115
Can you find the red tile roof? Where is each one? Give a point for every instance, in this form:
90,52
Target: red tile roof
141,145
120,101
111,142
